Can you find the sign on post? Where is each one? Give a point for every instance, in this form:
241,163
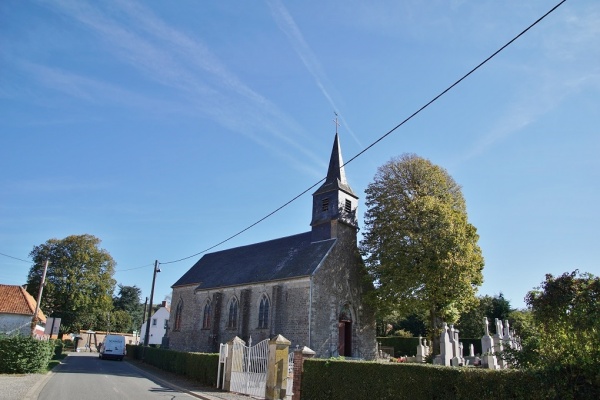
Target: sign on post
52,326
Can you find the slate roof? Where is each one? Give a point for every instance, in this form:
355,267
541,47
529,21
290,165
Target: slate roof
14,299
284,258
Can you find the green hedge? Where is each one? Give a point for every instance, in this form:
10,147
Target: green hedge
343,380
201,367
24,355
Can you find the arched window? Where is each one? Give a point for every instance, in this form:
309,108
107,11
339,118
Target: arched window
263,312
178,314
233,314
206,319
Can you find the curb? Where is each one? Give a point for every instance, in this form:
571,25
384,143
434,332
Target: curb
35,390
172,385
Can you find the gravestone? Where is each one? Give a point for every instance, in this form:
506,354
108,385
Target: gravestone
488,359
422,350
498,343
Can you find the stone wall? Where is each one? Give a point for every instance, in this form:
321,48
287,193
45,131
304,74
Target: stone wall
16,324
340,282
288,311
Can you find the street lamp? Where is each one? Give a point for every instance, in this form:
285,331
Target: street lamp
156,270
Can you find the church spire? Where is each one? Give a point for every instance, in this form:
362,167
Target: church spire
334,201
336,169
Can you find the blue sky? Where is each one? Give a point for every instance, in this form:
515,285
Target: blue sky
164,128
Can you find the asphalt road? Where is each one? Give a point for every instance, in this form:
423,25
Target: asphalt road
85,376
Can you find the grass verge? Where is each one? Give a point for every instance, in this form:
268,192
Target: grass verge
54,362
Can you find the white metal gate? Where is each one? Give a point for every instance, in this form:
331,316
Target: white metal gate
249,368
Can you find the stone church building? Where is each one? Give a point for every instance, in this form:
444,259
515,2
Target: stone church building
307,287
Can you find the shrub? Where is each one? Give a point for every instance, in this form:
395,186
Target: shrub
201,367
23,354
58,347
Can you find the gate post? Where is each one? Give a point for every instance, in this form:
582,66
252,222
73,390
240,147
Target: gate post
229,361
299,357
277,368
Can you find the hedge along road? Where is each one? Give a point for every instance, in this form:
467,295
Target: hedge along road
85,376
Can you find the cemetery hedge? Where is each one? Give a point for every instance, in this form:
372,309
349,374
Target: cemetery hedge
343,380
202,367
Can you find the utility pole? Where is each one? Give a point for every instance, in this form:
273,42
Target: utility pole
39,299
147,336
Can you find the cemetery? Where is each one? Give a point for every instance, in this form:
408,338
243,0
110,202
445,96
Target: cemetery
454,373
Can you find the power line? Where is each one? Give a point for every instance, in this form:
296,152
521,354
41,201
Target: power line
131,269
385,135
15,258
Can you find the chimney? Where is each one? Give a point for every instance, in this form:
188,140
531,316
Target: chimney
164,303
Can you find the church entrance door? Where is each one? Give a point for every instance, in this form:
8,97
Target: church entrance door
345,333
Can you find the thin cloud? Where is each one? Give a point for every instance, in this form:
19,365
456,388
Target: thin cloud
557,76
186,65
286,23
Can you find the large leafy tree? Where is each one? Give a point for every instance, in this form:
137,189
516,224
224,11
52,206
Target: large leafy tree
79,280
418,246
128,300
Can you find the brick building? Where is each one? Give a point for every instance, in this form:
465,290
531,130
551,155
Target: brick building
307,287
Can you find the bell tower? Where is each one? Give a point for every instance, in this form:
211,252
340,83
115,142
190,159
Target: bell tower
334,203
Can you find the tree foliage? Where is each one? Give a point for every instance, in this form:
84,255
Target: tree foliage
79,283
418,246
566,312
470,323
128,301
564,345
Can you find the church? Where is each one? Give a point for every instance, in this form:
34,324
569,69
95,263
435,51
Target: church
307,287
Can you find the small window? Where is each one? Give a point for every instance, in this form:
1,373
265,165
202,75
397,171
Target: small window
348,206
207,315
325,205
233,314
263,313
154,321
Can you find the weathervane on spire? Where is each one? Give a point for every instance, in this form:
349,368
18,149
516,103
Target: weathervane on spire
336,122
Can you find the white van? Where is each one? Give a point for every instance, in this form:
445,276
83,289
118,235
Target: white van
113,346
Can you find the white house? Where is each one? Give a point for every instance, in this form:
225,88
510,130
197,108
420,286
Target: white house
158,323
16,311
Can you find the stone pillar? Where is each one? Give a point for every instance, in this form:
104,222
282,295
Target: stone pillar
277,368
230,364
299,357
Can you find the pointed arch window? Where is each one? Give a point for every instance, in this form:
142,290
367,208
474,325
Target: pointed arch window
263,312
233,314
178,316
207,317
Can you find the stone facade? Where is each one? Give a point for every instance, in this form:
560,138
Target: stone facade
307,287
